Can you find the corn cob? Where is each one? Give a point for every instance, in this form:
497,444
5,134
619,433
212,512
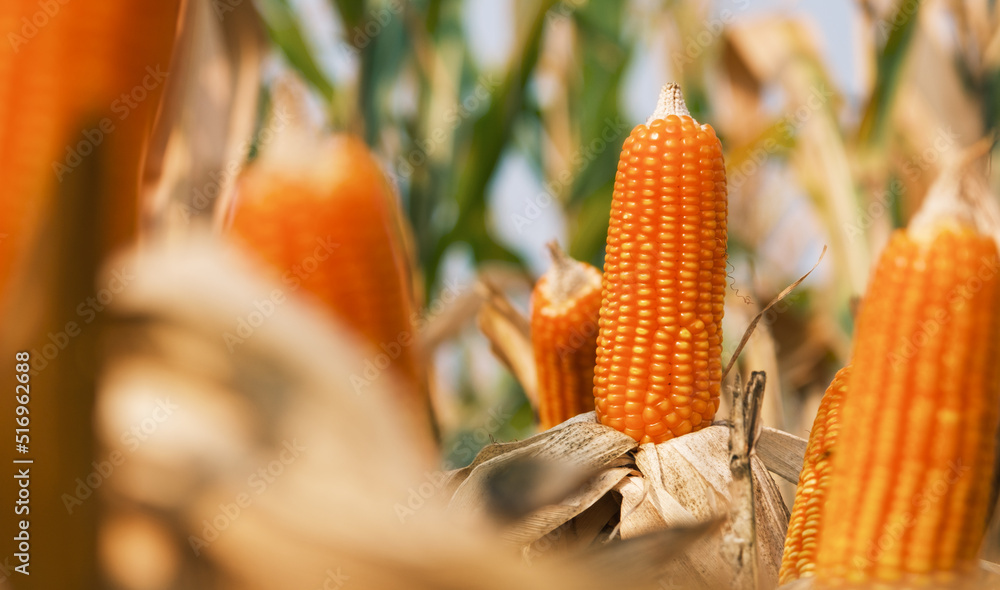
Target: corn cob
799,557
565,306
910,482
659,350
326,220
67,68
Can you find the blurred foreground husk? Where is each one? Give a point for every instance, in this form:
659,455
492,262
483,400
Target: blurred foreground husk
347,495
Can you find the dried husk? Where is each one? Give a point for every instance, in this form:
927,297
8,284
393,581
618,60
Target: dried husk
509,333
681,484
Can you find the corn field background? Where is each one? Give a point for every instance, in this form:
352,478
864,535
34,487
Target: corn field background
499,124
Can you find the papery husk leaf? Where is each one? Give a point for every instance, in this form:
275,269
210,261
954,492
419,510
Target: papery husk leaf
457,476
641,558
579,449
683,483
688,478
546,519
782,453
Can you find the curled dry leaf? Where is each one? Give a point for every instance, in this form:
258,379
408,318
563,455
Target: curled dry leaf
207,119
575,459
509,333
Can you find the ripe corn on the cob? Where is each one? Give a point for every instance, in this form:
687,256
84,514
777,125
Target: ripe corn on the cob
326,220
799,557
659,359
910,482
73,82
565,306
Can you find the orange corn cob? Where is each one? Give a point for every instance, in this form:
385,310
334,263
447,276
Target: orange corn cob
799,558
326,219
565,305
659,352
910,482
67,67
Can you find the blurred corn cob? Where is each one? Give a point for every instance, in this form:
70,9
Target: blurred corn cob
80,83
322,213
565,307
909,491
659,359
799,557
78,79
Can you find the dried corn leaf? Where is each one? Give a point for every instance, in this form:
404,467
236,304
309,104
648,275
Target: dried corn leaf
456,477
586,528
641,558
741,546
782,453
573,453
689,478
211,105
683,483
509,333
546,519
453,319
